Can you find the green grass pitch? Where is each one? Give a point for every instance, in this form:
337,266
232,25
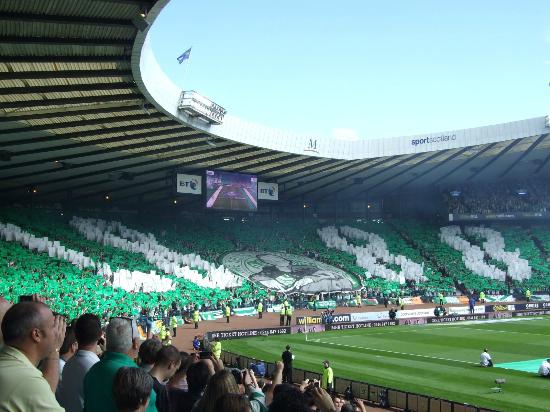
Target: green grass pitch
436,360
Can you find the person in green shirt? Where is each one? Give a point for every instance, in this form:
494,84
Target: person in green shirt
440,297
482,297
289,315
196,318
327,380
217,348
227,312
174,325
122,346
528,295
260,309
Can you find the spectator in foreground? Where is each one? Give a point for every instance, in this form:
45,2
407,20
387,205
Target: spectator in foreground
223,383
70,393
131,389
122,346
198,375
233,402
179,380
166,364
148,352
4,306
485,359
67,351
32,334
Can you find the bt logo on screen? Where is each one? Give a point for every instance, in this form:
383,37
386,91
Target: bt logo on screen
271,191
192,184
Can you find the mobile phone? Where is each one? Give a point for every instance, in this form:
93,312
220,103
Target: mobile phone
315,384
205,354
25,298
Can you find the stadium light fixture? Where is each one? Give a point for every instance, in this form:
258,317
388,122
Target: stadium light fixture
195,105
107,197
521,192
455,193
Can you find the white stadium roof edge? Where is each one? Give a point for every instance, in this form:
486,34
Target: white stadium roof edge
161,91
79,118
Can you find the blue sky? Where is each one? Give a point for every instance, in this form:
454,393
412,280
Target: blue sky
361,68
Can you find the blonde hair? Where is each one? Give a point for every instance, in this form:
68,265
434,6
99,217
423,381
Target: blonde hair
221,383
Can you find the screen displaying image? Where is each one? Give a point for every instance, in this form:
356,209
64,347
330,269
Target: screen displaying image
231,191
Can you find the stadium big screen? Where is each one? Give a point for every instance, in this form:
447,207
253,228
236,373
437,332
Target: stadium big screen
231,191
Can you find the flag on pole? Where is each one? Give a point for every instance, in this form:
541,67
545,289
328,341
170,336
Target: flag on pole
184,56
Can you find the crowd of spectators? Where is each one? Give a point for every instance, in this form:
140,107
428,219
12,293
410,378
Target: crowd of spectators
110,369
487,198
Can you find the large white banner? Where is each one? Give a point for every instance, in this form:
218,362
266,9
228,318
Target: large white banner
368,316
189,184
465,310
268,191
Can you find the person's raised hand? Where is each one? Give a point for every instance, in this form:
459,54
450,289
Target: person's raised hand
59,328
279,365
361,405
323,400
217,363
247,379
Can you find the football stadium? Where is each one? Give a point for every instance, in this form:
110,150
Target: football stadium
162,252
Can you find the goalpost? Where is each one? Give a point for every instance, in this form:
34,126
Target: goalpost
305,327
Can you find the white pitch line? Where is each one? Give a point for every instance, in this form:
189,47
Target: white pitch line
395,352
507,331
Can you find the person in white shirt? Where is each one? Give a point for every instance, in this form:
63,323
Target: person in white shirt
544,369
70,393
485,359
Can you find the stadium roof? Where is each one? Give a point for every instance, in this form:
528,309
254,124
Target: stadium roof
75,125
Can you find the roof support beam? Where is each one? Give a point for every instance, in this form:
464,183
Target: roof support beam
63,74
347,166
65,88
431,169
477,153
66,41
266,162
494,158
73,20
405,170
80,123
312,170
117,59
525,153
72,100
98,173
76,111
356,172
136,130
119,150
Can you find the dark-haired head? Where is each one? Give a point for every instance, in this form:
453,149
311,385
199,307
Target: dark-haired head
132,389
148,351
87,330
233,402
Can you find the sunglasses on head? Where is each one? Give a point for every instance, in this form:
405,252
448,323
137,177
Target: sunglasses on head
135,333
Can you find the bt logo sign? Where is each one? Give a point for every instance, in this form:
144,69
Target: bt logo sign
271,191
193,184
